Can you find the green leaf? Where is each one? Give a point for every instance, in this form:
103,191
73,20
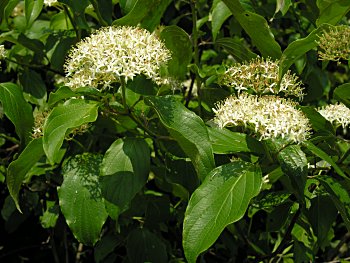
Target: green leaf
220,12
189,131
62,93
17,110
317,121
332,11
50,216
257,29
283,6
105,9
236,48
6,8
80,197
154,15
139,11
78,9
179,43
339,195
322,215
58,56
32,9
226,142
33,44
124,170
298,48
72,114
222,199
144,246
18,169
34,87
324,156
342,93
294,164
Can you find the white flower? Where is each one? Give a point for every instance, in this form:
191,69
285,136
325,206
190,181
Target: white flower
50,2
112,53
261,77
336,113
2,52
268,116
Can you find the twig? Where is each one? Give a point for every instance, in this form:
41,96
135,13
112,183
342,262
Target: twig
79,252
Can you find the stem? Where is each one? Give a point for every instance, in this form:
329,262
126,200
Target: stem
34,66
77,31
123,85
196,52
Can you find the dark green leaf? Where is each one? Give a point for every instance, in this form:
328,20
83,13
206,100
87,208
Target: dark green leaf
80,197
179,43
294,164
78,8
124,170
236,48
154,16
332,11
105,9
227,142
72,114
192,134
144,246
317,121
283,6
222,199
342,93
59,55
17,110
34,87
18,169
322,215
33,44
298,48
339,195
257,29
106,246
324,156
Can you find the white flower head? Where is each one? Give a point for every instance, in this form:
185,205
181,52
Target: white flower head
261,77
2,52
113,53
268,116
336,113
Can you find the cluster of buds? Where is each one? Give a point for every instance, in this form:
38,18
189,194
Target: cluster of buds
268,116
334,44
113,54
257,105
260,76
2,52
337,114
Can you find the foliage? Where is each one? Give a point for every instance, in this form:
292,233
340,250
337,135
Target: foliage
209,131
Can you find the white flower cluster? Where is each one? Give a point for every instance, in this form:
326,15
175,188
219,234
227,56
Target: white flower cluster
112,53
260,76
336,113
268,116
50,2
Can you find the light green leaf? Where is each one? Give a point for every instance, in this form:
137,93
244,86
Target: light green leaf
324,156
179,43
222,199
144,246
32,9
332,11
124,170
298,48
18,169
342,93
257,29
236,48
72,114
220,12
80,197
339,195
154,15
62,93
227,142
17,110
189,131
283,6
50,216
